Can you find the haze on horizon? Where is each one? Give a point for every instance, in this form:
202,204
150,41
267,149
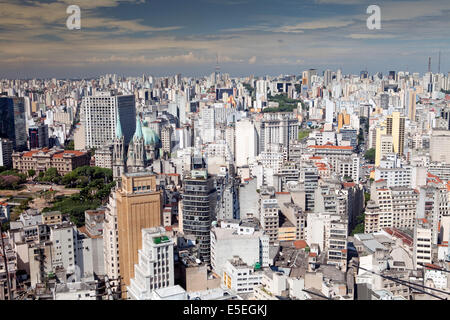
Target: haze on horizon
260,37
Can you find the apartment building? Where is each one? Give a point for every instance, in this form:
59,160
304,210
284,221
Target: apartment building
422,243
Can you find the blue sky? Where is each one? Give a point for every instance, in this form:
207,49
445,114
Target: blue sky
260,37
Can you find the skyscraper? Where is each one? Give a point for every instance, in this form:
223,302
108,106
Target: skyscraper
199,210
139,206
411,104
12,121
38,136
100,114
396,128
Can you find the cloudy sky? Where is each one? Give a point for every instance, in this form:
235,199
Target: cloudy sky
261,37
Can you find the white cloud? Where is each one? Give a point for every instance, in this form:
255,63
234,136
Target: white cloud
370,36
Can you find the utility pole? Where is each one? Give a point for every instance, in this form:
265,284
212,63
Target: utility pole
8,279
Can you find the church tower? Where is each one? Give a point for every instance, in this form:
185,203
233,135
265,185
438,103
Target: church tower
118,153
136,152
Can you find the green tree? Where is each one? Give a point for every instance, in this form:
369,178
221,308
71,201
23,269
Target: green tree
366,197
70,145
31,173
370,155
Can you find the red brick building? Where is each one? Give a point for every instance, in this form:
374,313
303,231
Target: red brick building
42,159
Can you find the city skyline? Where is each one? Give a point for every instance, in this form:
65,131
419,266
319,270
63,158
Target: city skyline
250,37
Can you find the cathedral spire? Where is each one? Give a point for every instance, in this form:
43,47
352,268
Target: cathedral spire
138,134
119,133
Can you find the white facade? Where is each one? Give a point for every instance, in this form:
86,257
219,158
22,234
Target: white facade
111,240
246,143
99,117
155,269
240,277
232,240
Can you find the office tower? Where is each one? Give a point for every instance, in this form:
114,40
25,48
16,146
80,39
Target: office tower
6,150
327,77
396,128
155,269
364,75
13,122
38,136
139,206
199,210
278,128
311,179
100,114
411,104
246,142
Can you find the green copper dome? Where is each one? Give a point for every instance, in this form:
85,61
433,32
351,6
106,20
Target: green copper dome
150,136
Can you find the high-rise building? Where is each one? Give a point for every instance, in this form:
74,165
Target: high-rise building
396,128
311,178
327,77
12,121
6,151
139,206
278,128
155,269
246,149
390,136
411,104
422,243
199,210
100,114
269,217
38,136
111,241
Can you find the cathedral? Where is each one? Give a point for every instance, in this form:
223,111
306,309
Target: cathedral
143,149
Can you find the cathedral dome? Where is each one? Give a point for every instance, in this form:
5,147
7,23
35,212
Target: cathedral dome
150,136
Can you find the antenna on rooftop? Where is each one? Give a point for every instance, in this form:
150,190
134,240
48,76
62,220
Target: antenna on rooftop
217,64
439,63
